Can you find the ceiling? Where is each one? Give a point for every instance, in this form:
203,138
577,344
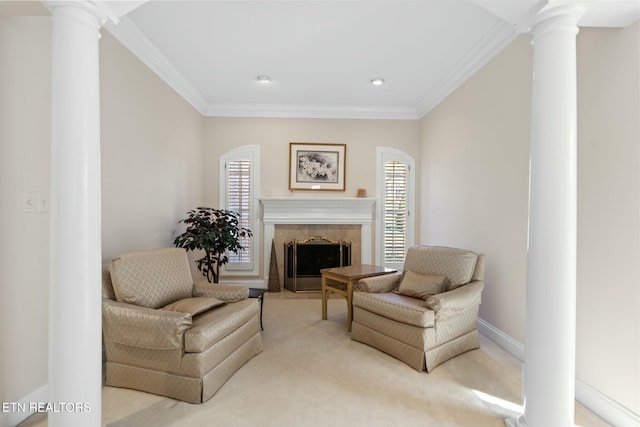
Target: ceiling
321,55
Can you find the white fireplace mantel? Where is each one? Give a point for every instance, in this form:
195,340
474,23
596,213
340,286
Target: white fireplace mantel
318,210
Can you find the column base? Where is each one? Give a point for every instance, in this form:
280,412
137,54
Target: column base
519,422
515,422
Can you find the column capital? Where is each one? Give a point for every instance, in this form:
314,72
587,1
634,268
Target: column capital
97,9
557,18
568,13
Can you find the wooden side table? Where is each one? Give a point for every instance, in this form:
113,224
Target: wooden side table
347,276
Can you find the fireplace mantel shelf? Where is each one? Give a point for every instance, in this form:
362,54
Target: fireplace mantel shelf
318,210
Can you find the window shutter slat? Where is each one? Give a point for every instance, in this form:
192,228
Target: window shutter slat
239,200
395,211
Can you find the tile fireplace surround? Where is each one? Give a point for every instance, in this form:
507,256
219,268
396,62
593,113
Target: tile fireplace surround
298,211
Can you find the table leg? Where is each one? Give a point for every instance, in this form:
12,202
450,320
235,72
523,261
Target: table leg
324,297
261,306
349,304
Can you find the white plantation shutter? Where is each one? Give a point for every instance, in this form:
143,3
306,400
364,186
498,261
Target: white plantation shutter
395,212
239,187
239,200
395,178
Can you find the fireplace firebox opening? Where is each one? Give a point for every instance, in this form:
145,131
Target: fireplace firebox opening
304,259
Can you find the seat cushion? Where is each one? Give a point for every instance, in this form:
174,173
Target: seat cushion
456,264
398,307
422,285
152,278
210,327
195,305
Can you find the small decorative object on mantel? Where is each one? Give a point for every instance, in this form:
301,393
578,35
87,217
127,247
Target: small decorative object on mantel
216,232
317,166
362,192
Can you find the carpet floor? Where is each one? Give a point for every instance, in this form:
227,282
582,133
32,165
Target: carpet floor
312,374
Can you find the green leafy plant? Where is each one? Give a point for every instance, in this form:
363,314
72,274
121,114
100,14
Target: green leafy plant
215,231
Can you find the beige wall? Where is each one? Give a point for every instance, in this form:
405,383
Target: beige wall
25,74
475,154
274,135
152,165
608,294
475,183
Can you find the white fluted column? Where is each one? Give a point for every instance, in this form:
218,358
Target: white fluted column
75,368
549,371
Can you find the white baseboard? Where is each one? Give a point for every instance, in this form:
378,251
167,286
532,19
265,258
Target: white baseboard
15,417
607,409
510,345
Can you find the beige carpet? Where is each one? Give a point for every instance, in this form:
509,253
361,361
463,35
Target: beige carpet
312,374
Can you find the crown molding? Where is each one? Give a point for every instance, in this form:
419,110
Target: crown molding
131,37
121,8
310,111
500,36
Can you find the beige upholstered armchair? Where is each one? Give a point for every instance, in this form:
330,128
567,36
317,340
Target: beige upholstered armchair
164,335
426,314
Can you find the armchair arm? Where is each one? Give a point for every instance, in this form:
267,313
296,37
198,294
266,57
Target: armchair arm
451,303
227,293
144,327
379,284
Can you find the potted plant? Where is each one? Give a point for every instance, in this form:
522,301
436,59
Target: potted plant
216,232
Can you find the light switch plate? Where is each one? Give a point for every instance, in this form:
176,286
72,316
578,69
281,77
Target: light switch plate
43,203
29,202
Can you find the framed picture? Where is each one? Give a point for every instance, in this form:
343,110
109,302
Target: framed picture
317,166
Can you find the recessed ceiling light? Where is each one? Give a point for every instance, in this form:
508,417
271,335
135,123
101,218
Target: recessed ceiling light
377,81
263,79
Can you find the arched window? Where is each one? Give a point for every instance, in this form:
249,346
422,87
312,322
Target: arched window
395,206
239,189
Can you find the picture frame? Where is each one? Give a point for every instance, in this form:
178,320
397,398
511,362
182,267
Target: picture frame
317,166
